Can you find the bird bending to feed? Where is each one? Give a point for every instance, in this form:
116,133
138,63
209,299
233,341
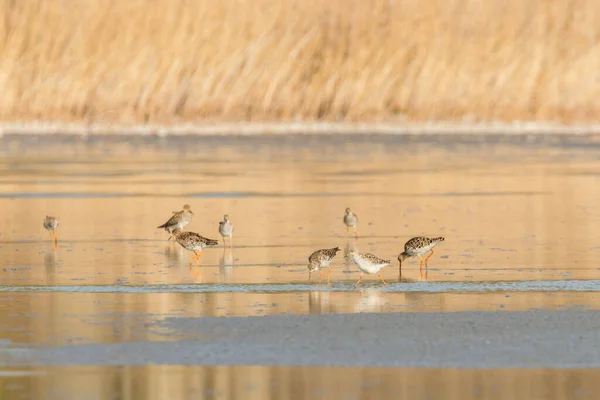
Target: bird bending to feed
320,260
351,220
193,242
418,246
179,220
368,264
226,230
51,223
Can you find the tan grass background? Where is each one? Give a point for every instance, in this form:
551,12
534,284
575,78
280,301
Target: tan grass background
173,61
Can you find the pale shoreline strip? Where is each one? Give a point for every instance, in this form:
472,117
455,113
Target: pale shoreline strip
325,128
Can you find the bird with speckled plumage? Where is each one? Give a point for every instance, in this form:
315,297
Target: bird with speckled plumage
320,260
193,242
418,246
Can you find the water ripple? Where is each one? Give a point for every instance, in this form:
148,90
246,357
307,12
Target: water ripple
392,287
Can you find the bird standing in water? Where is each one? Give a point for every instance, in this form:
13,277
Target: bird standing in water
179,220
226,230
418,246
368,264
51,223
320,260
193,242
351,220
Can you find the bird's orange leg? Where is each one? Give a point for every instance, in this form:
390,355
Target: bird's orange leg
380,277
329,277
198,257
231,241
355,233
320,276
193,257
359,279
55,240
421,263
430,254
309,275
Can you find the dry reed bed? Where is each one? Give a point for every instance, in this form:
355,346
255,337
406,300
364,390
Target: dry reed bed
174,61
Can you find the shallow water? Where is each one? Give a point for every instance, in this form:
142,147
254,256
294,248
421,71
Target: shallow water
294,383
520,218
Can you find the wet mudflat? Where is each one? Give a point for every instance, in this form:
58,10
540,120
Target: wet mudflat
520,219
533,339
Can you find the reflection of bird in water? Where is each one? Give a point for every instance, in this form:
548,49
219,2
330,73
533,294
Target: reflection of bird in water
351,220
347,249
321,259
226,264
418,246
194,274
423,301
226,230
318,302
179,220
51,223
368,263
50,265
193,242
172,254
371,300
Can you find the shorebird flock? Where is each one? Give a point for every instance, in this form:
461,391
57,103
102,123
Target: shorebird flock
319,260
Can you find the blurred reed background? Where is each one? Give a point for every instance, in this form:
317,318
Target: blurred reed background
174,61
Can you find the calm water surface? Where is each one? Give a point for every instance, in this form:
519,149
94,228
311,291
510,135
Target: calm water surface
520,218
295,383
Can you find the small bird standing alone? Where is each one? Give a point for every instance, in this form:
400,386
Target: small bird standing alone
351,220
51,223
226,230
368,264
320,260
418,246
193,242
179,220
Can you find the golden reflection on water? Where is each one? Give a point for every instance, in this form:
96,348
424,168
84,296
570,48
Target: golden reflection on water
297,383
508,213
